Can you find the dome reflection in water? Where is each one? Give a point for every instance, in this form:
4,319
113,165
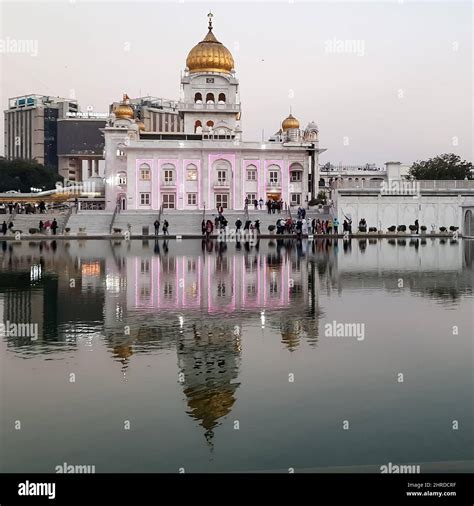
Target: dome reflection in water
220,355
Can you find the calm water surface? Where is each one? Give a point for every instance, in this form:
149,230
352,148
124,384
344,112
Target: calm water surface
219,359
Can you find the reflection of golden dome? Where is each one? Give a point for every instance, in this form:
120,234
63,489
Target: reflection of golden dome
208,404
210,55
290,123
124,110
122,351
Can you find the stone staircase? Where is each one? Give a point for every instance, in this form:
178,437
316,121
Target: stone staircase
189,222
24,222
94,222
97,223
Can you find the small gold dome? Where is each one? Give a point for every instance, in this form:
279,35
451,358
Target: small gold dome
124,110
290,123
141,125
210,55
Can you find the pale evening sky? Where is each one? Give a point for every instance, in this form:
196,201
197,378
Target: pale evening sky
402,91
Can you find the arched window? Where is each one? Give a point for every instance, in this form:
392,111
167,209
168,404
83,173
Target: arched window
168,170
296,172
120,150
145,173
221,98
210,98
251,173
198,98
197,127
191,173
210,123
122,178
273,175
223,171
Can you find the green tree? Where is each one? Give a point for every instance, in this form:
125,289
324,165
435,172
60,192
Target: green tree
446,166
22,175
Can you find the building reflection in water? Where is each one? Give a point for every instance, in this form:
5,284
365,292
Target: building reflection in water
200,304
200,299
209,361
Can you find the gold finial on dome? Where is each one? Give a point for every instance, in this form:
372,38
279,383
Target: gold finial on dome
124,110
290,123
210,55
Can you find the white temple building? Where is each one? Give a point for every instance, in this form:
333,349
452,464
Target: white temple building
208,164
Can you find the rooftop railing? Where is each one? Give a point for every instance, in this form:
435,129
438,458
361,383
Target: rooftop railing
342,169
458,184
208,107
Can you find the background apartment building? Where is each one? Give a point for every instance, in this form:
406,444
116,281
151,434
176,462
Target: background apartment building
31,127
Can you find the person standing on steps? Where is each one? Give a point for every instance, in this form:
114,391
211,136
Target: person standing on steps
165,227
203,227
260,203
257,226
238,224
54,226
336,225
4,228
157,227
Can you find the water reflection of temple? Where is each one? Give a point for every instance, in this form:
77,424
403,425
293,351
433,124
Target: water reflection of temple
217,283
180,296
209,359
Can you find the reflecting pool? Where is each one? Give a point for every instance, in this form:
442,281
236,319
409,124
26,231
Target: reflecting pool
234,357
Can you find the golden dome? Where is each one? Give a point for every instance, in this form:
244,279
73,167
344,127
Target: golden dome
124,110
290,123
141,125
210,55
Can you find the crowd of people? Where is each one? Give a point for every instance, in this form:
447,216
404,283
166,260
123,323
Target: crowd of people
18,208
221,224
273,206
303,226
44,227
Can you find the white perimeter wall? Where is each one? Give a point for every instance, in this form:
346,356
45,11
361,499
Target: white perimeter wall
385,211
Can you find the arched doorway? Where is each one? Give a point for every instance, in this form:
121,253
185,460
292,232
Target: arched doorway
468,228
